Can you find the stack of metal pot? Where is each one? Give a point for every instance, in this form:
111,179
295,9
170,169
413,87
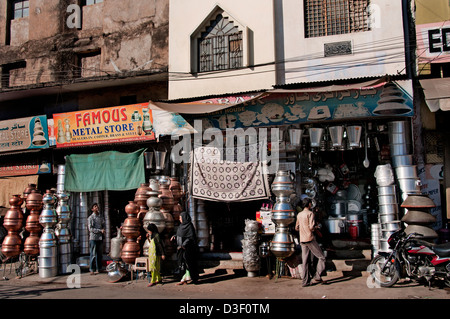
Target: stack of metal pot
154,215
283,214
48,245
402,160
250,250
388,209
201,225
418,218
63,232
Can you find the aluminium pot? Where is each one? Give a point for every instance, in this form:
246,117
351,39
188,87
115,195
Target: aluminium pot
335,225
409,185
388,209
400,149
404,172
391,226
402,160
387,218
387,199
387,190
116,271
338,208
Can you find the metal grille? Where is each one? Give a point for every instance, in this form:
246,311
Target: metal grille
220,48
330,17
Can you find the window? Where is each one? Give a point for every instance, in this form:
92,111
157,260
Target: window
220,46
21,9
89,2
330,17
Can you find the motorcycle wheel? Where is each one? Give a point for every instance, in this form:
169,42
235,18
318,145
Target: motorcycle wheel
386,279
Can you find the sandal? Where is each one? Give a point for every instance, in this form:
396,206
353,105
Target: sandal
182,283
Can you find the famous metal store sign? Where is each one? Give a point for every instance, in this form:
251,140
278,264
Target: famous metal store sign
24,133
127,123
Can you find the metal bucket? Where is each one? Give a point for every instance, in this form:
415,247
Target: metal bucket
337,135
148,156
400,149
409,185
387,218
295,136
160,159
387,199
391,226
335,225
387,190
354,135
315,136
409,171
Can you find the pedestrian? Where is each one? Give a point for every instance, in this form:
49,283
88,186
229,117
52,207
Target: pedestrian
306,225
187,249
96,226
155,254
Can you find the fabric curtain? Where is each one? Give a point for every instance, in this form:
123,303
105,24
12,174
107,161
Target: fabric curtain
14,185
109,170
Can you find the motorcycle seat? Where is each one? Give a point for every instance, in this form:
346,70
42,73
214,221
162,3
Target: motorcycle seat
442,250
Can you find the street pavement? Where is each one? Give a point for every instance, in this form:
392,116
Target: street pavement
229,292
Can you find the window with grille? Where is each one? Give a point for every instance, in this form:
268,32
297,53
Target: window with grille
220,46
330,17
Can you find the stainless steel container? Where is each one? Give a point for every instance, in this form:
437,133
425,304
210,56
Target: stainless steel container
387,218
338,208
315,136
354,135
282,244
295,136
391,226
389,190
336,135
335,225
388,209
402,160
406,172
387,199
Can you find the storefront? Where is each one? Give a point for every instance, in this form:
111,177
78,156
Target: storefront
332,138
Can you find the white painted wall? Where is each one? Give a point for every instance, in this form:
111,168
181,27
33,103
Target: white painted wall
186,16
375,53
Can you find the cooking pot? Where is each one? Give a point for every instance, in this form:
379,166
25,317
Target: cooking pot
391,226
409,185
402,160
387,218
338,208
116,271
387,199
406,172
388,209
400,149
335,225
386,190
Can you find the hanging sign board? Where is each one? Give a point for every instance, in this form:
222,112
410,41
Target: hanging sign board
24,134
303,106
118,124
26,167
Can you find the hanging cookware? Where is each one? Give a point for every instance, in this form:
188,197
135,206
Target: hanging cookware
337,135
160,159
295,136
315,136
354,135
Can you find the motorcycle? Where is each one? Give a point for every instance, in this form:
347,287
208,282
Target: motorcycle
410,257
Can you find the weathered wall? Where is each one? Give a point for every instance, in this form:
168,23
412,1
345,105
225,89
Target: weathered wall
132,35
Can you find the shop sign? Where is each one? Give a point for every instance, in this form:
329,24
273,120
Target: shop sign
31,167
118,124
312,106
433,42
24,134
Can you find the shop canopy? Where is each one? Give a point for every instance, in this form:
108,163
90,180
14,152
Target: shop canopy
437,93
109,170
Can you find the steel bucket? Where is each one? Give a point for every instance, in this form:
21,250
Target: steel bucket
315,136
160,159
148,156
404,172
295,136
354,135
337,135
402,160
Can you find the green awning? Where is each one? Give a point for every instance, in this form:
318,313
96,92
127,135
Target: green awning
109,170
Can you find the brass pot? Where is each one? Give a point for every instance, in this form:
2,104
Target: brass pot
132,209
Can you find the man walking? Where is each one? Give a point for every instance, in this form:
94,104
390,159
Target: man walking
96,226
306,226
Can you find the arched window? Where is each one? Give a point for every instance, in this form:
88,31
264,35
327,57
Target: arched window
220,46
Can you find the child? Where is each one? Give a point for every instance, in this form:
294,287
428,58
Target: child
155,254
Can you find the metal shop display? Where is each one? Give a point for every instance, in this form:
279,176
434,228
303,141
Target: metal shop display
48,245
63,233
13,224
418,218
34,204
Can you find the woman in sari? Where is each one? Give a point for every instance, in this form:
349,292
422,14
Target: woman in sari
155,254
187,249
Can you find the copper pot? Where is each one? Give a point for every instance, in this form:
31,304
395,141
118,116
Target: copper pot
31,245
11,245
34,200
132,209
176,211
130,251
131,228
175,188
14,216
167,198
28,190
